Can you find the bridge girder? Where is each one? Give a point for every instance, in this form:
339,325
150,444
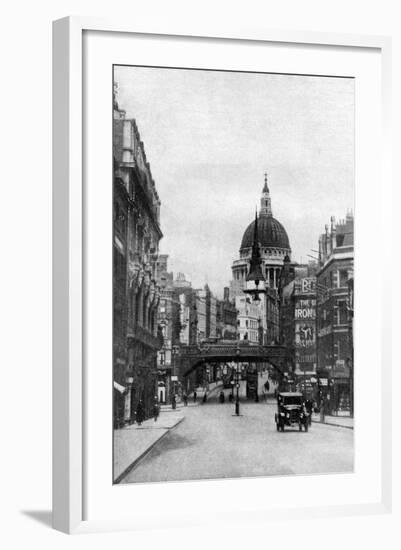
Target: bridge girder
194,356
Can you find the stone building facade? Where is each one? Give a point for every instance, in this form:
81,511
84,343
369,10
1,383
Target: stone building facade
248,319
334,327
169,323
226,317
211,313
136,295
298,312
274,246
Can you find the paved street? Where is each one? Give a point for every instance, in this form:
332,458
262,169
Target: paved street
212,443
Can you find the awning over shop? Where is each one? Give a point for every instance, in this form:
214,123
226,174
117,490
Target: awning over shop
118,387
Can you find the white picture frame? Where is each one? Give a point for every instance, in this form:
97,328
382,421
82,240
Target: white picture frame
69,257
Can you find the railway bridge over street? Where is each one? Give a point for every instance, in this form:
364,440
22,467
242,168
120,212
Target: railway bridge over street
192,357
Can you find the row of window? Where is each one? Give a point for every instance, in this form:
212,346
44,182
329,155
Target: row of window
335,279
252,336
251,323
337,315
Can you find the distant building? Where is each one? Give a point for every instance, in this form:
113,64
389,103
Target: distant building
334,324
164,277
181,282
274,246
226,317
298,323
170,326
211,313
248,319
298,314
201,315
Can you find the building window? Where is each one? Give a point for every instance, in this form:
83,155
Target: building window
343,277
340,240
342,313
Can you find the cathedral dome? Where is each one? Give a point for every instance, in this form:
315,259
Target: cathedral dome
271,234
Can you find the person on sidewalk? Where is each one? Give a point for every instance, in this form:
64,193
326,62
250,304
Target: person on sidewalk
195,396
266,389
156,410
185,399
174,401
140,412
309,409
204,397
222,397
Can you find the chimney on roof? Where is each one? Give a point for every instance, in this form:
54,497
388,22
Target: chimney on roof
333,233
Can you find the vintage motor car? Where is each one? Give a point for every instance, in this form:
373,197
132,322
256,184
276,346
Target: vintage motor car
291,411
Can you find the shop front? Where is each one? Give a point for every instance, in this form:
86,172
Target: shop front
340,389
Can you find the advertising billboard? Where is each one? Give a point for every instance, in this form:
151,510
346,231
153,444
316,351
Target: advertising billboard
306,285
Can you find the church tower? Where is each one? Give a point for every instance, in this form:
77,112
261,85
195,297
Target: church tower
264,247
265,201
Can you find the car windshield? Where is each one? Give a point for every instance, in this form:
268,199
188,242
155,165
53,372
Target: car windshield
291,400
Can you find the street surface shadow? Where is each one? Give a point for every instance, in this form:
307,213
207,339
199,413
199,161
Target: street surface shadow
41,516
172,441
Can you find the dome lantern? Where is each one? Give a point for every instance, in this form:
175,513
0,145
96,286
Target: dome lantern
265,200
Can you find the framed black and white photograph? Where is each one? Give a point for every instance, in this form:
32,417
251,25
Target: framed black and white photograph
230,326
217,203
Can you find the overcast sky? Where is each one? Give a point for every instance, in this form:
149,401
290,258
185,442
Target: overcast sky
209,137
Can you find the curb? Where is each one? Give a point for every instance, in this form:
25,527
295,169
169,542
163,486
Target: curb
145,452
332,424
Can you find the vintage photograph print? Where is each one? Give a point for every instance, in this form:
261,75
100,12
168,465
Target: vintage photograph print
233,252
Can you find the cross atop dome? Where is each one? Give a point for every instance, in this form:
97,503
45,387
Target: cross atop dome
265,202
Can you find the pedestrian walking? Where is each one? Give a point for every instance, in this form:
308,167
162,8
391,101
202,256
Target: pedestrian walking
195,396
309,409
204,398
156,410
185,399
266,389
174,401
221,397
322,407
230,397
140,412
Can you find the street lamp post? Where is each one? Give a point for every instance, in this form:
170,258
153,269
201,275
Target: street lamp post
174,353
128,406
237,352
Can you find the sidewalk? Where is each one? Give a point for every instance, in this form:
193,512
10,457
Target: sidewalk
214,389
340,421
133,442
